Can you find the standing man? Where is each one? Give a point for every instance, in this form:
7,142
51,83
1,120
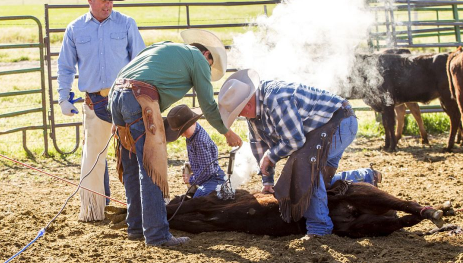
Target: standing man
310,126
100,43
158,77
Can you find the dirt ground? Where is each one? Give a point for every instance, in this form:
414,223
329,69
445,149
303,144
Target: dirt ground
29,200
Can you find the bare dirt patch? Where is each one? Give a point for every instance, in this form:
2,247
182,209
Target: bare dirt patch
29,200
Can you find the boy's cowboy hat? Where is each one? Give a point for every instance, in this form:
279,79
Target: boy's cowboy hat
235,93
213,44
179,119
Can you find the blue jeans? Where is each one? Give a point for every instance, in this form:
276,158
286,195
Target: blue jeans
100,108
359,175
210,185
318,221
146,209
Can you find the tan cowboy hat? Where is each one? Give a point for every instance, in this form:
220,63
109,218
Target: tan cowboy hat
235,93
213,44
179,119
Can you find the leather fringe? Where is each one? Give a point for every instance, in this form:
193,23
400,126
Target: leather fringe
293,191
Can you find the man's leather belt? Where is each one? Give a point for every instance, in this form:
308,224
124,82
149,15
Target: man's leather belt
138,87
103,92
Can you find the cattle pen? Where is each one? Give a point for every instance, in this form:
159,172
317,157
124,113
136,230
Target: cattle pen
33,132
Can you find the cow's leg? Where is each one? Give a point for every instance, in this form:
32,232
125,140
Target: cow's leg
400,115
371,200
459,131
451,108
377,225
415,110
389,125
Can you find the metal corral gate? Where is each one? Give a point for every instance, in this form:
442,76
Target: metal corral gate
49,54
390,32
42,89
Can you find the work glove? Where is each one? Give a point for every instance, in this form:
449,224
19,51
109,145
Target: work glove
67,108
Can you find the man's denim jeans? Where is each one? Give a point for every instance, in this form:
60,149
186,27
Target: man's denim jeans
100,108
317,220
210,185
359,175
146,210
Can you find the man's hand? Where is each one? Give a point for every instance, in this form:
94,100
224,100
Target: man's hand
67,108
268,189
233,139
264,164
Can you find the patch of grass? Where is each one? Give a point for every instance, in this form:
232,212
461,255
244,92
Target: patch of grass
435,123
21,58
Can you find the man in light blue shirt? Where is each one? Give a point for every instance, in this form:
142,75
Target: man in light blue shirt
100,42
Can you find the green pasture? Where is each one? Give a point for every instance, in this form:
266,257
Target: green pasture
24,31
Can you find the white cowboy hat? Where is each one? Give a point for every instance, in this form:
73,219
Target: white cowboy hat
213,44
235,93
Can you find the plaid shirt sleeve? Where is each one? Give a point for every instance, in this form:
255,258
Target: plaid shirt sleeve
202,154
288,125
258,146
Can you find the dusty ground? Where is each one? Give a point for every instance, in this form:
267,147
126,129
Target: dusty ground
29,200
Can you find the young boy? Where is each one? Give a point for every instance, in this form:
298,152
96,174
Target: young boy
202,151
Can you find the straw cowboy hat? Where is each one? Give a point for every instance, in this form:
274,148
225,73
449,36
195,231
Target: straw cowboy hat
235,93
179,119
213,44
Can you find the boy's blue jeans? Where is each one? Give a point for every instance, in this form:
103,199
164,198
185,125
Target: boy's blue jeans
210,185
146,209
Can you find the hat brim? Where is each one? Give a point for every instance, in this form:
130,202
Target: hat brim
173,135
248,76
213,44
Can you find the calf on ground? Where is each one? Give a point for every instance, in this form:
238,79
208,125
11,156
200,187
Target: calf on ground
356,209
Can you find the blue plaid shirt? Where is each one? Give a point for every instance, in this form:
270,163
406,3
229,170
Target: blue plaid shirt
286,112
202,154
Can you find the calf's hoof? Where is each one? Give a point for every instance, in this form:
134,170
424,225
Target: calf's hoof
436,218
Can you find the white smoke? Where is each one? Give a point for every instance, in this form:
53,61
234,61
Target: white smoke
245,166
312,42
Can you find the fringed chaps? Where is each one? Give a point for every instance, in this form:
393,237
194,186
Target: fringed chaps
300,175
123,139
155,147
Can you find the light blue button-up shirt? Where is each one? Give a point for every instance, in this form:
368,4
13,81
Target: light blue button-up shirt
100,50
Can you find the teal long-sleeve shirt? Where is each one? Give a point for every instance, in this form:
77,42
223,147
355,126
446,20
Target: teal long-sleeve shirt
174,69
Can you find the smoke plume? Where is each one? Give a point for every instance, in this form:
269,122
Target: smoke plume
312,42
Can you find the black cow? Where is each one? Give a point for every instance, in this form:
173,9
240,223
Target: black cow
384,81
357,210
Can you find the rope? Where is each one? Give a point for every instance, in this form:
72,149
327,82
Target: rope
193,184
43,230
424,209
59,178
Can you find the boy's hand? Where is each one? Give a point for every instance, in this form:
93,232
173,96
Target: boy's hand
186,178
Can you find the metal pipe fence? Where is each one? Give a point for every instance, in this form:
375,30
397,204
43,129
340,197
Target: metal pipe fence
189,24
389,31
42,91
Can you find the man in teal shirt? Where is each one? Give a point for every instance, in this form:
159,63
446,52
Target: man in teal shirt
159,76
